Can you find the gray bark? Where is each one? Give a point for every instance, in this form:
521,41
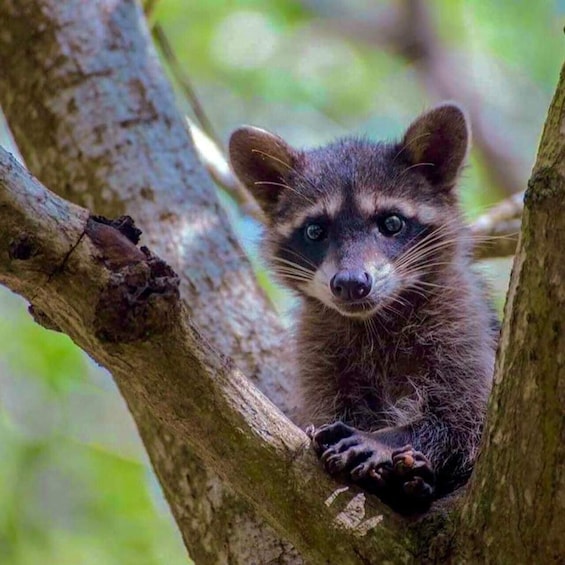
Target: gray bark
96,121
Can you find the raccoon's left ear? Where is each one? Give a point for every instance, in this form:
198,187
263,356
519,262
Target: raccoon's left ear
437,143
261,160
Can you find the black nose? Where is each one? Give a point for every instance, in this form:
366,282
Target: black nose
351,284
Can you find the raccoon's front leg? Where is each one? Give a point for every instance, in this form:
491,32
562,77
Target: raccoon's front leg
402,477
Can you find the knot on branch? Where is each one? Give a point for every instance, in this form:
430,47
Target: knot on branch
546,183
141,298
22,247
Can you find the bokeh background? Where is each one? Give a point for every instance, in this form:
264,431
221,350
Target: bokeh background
75,485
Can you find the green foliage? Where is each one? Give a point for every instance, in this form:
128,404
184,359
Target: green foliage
75,486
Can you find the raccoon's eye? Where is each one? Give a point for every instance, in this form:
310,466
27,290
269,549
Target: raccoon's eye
391,225
314,232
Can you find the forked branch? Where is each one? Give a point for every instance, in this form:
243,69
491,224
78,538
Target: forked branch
121,305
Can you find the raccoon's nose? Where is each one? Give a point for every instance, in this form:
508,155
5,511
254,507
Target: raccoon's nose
351,285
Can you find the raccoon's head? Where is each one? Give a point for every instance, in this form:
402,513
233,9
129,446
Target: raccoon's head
357,224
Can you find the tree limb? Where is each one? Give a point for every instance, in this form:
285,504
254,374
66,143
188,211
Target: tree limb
496,232
519,481
121,305
96,121
215,161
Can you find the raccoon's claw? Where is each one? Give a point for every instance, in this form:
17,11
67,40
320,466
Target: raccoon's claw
403,478
328,435
343,449
414,472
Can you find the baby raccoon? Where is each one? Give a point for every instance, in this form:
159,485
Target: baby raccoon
396,339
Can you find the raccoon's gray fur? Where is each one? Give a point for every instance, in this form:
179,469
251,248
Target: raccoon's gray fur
395,341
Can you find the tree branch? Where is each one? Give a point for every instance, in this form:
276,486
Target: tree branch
121,305
496,232
519,482
214,159
101,128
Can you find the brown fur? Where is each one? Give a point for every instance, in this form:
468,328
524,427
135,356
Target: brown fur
418,369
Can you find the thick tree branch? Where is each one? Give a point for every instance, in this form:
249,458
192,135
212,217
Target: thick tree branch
121,305
519,482
96,121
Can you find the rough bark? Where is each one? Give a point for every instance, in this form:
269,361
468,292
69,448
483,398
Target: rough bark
122,306
95,120
519,486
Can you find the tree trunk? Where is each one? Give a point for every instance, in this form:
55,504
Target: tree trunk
516,504
96,123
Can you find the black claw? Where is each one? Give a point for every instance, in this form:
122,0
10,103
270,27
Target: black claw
310,430
405,480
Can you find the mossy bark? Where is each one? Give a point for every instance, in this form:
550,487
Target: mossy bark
515,509
122,306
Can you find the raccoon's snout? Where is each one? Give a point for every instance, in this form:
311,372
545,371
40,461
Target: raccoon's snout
351,285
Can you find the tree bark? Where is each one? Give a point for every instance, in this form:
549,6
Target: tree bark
516,504
96,122
122,306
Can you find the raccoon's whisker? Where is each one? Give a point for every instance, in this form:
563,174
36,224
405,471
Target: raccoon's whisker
433,285
286,262
288,269
434,239
284,164
293,272
417,165
293,277
303,196
293,265
422,259
389,308
417,255
431,237
419,293
300,256
425,288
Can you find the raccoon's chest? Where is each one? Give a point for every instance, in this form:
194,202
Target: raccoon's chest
370,382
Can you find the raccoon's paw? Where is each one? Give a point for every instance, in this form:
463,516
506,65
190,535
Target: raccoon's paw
343,449
414,473
402,478
406,482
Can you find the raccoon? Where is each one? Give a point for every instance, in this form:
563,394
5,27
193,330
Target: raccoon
396,338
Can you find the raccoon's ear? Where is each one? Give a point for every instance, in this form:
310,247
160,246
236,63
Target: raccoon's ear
261,161
437,143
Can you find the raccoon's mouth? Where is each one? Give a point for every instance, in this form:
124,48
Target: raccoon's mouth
357,309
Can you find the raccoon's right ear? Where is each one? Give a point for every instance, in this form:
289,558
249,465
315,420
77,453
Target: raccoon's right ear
261,161
437,142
